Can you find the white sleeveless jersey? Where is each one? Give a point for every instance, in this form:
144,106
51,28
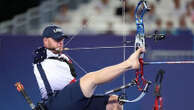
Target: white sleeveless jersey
57,72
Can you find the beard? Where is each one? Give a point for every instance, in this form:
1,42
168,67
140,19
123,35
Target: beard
57,50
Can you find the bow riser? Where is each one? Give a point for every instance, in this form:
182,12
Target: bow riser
140,41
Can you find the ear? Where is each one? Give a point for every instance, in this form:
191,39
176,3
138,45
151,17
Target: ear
45,42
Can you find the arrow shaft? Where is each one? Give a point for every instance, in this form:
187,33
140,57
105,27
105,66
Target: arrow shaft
170,62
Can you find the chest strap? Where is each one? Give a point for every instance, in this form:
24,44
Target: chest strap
46,83
72,69
45,80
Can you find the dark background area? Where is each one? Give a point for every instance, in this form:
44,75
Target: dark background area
10,8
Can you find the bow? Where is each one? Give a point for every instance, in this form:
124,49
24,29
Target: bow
139,43
139,81
140,40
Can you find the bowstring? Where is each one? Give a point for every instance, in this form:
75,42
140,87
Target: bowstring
78,64
73,37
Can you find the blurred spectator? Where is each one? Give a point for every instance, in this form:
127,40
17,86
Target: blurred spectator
151,16
177,9
158,1
130,15
110,28
158,28
192,11
170,28
101,6
63,15
183,29
188,9
85,28
120,9
158,24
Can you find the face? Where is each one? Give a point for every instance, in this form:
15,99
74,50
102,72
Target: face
50,43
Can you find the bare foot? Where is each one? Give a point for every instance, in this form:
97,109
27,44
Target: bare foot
133,60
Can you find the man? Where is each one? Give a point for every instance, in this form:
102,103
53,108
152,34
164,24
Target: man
56,77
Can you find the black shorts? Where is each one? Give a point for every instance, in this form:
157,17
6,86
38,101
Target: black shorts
72,98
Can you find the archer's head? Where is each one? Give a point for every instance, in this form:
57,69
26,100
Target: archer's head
53,38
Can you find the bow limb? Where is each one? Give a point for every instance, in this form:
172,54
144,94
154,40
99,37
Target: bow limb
139,97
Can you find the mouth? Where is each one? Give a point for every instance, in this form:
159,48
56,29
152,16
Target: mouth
59,49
